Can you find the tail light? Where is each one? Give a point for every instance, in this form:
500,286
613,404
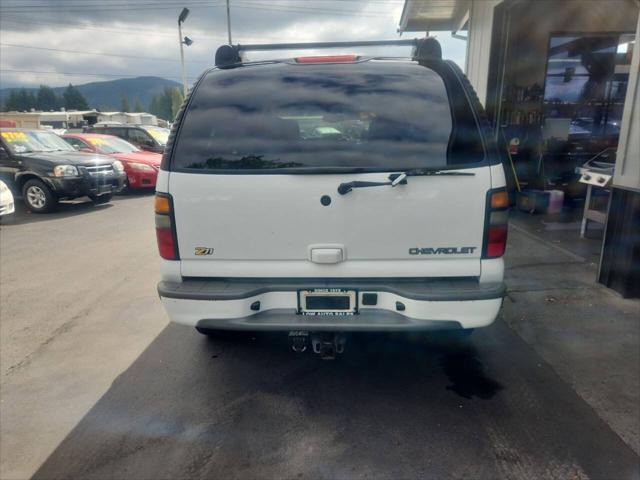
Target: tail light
165,227
495,230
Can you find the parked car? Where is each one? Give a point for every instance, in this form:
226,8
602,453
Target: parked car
141,167
146,137
7,206
262,228
45,169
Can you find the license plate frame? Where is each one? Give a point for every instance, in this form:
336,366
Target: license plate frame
104,189
329,295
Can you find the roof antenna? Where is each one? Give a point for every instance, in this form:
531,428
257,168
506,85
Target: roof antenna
229,22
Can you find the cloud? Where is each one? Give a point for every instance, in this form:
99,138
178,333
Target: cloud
117,31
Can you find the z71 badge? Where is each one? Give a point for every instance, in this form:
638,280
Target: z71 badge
203,251
441,250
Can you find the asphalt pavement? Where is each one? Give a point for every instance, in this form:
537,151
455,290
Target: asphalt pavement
96,384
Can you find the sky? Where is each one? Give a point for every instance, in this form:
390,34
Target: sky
56,42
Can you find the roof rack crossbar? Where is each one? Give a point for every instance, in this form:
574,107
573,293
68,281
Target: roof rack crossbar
228,56
310,45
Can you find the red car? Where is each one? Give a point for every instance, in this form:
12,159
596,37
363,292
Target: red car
141,167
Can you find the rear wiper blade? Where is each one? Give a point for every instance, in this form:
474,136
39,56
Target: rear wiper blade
424,172
346,187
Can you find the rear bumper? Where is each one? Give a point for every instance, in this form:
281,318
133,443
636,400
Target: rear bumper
428,305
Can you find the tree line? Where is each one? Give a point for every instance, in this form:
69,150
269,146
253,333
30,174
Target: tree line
45,99
164,105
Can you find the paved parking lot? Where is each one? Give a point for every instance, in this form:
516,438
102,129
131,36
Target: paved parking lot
96,384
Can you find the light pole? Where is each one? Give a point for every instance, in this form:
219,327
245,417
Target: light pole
187,41
229,22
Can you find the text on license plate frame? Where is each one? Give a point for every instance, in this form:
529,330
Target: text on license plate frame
320,295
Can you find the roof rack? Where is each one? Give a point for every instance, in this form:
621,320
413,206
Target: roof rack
423,48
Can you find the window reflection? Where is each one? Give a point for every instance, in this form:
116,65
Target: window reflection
390,117
586,83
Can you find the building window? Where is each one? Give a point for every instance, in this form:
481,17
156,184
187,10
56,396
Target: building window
585,89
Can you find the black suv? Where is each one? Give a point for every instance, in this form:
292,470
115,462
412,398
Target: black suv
45,169
145,137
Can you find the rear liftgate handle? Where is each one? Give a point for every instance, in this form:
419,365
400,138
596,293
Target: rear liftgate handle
326,254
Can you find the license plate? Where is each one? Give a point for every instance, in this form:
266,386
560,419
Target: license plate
327,301
104,189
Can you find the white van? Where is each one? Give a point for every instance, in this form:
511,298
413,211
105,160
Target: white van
332,194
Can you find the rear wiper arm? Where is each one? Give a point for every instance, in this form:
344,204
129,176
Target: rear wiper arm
346,187
398,179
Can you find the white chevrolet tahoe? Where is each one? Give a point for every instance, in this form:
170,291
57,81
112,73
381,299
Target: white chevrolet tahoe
320,195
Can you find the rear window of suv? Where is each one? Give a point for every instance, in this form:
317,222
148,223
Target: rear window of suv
369,116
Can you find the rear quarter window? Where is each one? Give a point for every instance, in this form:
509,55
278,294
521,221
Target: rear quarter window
368,116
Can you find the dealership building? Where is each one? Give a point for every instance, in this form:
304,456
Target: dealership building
75,119
559,81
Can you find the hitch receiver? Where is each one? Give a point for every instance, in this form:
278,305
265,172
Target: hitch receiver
328,345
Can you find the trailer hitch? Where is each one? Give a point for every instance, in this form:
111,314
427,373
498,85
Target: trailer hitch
328,345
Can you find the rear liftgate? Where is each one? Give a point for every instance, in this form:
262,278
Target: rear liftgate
325,301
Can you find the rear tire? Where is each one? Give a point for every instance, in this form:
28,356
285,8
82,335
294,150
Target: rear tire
38,197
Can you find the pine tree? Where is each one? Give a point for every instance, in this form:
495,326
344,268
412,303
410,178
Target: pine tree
137,107
154,108
13,102
74,100
166,104
176,102
46,99
21,100
124,103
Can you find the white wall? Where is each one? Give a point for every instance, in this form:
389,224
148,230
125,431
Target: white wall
148,119
120,117
627,173
479,45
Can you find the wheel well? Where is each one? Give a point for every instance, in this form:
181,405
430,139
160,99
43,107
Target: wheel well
25,178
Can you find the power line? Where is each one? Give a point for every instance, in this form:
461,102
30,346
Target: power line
195,4
150,33
85,5
99,8
101,3
89,74
100,54
19,20
305,9
80,3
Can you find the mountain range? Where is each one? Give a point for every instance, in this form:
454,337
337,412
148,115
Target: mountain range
108,95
